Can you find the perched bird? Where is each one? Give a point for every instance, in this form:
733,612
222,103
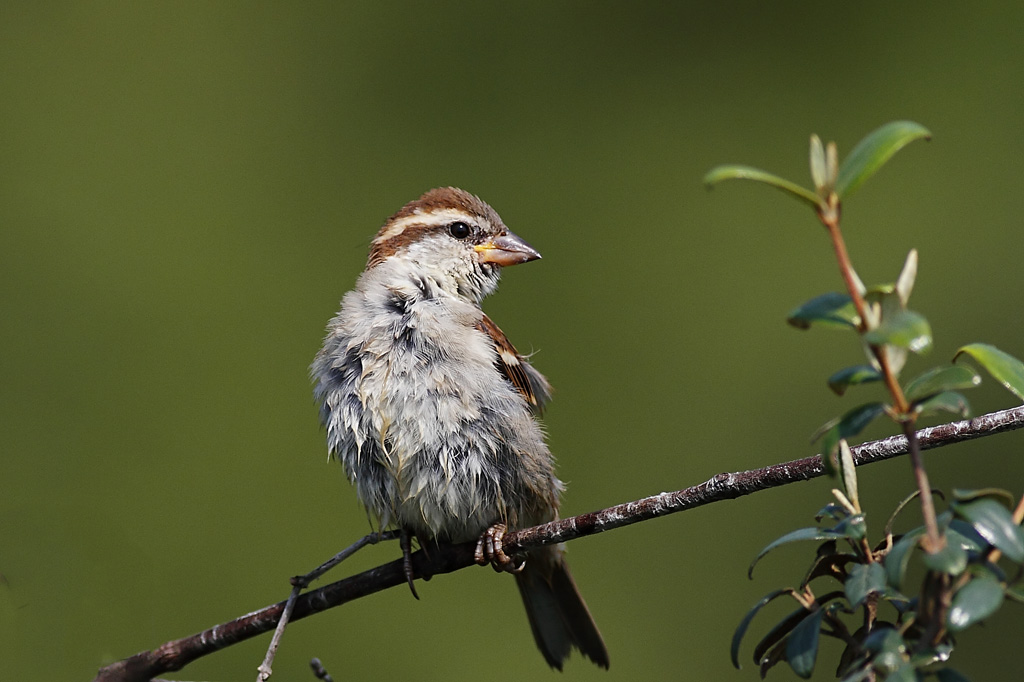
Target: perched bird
432,411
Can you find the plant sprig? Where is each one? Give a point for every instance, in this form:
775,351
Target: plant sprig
962,546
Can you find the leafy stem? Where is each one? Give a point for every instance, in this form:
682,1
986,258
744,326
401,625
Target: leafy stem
963,583
828,213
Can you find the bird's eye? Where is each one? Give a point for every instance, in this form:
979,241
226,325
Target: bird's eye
459,230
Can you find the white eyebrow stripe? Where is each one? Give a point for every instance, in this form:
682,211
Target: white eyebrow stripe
438,217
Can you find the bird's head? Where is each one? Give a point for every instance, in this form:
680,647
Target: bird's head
453,237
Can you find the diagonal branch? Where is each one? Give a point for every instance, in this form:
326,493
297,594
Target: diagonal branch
176,654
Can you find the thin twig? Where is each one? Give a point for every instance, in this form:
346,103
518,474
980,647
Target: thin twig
265,670
302,582
447,558
319,670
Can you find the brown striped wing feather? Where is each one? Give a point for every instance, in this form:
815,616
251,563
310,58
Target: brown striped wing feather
530,383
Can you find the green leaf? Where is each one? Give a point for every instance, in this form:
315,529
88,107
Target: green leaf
951,559
734,172
885,304
777,635
833,310
741,629
905,282
940,379
994,523
950,401
853,422
975,601
848,426
904,329
873,151
863,580
852,376
771,658
796,536
802,645
860,674
831,510
970,494
895,356
884,638
1004,368
963,534
939,653
904,673
898,558
848,474
831,166
828,562
852,527
889,649
819,174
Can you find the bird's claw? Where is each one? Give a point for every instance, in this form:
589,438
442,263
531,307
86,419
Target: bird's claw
405,541
489,550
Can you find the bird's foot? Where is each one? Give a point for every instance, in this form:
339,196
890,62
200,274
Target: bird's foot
405,540
489,550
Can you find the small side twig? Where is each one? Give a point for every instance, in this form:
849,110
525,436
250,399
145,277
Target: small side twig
176,654
319,670
265,670
303,581
300,583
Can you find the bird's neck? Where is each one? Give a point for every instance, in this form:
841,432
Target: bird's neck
418,281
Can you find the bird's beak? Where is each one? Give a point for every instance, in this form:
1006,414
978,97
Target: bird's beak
506,249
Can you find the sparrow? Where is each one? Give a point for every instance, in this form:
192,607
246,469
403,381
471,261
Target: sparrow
434,414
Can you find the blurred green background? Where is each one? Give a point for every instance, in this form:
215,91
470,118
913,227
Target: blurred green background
187,189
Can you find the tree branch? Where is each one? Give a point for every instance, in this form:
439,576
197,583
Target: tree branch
176,654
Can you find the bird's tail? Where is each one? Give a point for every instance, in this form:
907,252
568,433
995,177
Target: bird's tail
558,616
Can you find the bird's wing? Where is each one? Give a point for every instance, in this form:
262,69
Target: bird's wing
530,383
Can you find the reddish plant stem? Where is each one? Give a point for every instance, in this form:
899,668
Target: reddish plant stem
934,540
829,216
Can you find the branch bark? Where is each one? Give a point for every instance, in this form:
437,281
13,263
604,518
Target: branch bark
174,655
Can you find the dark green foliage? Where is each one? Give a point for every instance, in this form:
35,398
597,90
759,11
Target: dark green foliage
802,644
833,310
852,376
1004,368
845,427
995,524
939,380
904,329
870,578
873,151
976,601
896,624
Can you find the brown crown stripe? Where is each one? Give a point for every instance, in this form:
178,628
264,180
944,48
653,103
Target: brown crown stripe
434,209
